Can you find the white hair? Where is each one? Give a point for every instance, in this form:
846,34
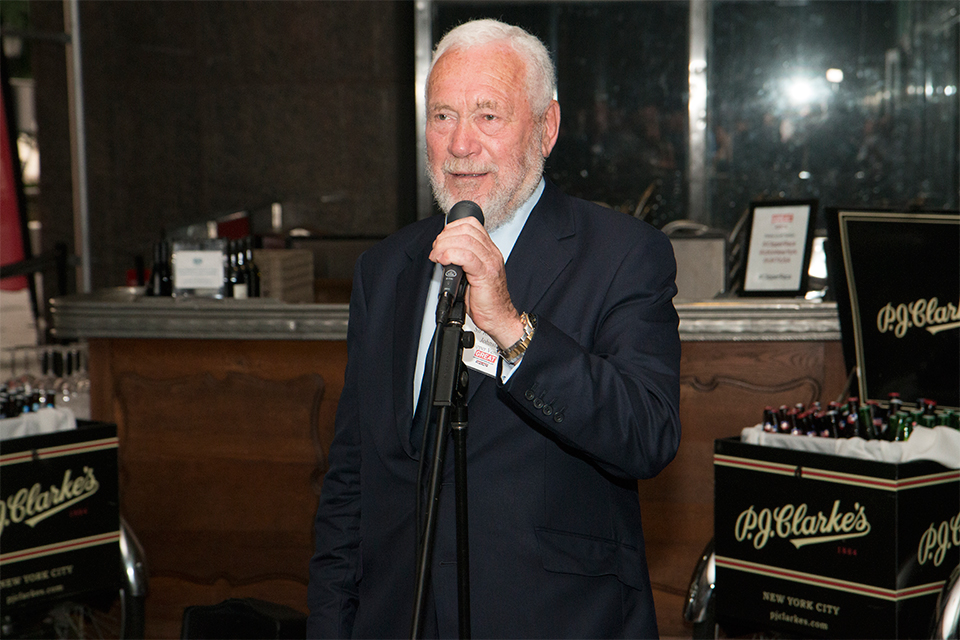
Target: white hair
541,75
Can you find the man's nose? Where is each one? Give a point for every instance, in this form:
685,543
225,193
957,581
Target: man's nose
464,141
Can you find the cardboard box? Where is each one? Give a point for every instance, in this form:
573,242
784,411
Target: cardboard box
286,274
818,545
59,515
701,266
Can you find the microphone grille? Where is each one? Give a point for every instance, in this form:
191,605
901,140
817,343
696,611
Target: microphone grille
463,209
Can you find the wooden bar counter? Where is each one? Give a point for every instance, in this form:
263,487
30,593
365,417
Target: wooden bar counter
225,413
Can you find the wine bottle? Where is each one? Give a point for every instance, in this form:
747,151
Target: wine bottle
161,278
253,271
238,272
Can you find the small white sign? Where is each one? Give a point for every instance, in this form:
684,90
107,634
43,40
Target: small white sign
197,269
778,239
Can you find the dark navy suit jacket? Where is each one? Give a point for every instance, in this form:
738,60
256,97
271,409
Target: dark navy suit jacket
556,546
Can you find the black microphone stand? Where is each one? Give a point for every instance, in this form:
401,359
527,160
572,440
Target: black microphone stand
450,392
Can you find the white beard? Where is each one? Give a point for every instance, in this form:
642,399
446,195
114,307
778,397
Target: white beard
502,201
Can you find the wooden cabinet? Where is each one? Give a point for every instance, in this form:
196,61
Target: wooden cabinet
223,448
223,442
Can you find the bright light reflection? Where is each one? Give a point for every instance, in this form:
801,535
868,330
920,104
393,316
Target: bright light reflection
801,91
818,259
834,75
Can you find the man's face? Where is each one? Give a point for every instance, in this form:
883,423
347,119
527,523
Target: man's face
483,142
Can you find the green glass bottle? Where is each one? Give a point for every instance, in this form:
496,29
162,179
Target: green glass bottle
894,421
905,428
953,419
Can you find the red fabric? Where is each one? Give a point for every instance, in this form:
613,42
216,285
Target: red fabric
11,232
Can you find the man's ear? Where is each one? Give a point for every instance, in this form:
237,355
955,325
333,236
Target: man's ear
551,128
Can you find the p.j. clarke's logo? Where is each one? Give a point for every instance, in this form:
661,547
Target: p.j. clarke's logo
937,540
919,314
31,506
797,525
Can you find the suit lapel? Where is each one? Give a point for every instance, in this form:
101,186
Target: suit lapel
411,296
539,256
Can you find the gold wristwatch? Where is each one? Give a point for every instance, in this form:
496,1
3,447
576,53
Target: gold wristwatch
512,354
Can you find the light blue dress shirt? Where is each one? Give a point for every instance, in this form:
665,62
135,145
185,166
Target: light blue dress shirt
504,237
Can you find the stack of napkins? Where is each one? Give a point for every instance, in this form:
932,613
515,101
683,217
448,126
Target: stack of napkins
940,444
46,420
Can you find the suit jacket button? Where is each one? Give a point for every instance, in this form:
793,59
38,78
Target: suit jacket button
528,394
537,403
547,410
558,418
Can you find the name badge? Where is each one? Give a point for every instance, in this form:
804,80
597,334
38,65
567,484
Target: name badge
484,355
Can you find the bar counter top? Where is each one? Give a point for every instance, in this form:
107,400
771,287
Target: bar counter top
124,313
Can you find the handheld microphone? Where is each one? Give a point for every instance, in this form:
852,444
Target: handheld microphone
452,285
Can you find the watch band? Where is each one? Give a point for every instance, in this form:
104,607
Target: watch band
512,353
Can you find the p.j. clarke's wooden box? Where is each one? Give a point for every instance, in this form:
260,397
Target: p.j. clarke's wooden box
820,545
59,515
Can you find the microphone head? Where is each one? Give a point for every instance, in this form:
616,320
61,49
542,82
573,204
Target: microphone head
463,209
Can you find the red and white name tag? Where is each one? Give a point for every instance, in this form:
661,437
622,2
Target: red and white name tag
484,355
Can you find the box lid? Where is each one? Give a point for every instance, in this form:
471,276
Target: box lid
897,282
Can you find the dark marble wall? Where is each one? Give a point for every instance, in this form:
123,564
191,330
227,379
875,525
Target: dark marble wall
198,109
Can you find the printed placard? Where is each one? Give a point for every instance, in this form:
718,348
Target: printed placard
778,248
198,267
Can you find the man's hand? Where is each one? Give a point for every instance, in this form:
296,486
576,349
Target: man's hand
466,243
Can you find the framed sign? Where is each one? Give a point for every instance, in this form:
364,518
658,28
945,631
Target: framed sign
198,267
777,250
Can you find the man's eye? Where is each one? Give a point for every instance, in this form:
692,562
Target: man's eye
489,117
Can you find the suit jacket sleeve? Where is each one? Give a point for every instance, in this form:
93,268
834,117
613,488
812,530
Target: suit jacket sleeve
334,569
613,391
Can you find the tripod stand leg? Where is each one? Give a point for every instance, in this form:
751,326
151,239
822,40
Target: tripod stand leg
425,557
459,431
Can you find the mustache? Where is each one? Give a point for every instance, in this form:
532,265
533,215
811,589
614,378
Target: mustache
467,166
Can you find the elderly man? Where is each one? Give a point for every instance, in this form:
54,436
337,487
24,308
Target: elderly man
584,401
